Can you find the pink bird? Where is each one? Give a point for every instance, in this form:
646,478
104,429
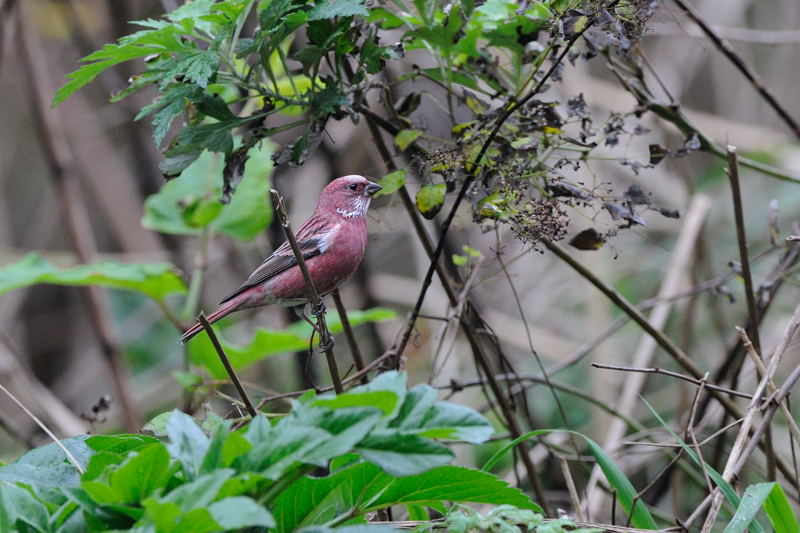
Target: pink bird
332,242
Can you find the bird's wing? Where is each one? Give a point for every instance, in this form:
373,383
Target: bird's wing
312,240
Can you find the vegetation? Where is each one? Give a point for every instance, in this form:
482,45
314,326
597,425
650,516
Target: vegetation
242,89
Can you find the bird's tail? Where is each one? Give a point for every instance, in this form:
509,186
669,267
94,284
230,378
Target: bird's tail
227,308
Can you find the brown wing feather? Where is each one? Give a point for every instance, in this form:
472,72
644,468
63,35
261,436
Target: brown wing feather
281,259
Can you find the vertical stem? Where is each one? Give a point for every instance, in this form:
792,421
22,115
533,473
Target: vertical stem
326,339
227,364
744,259
348,332
198,275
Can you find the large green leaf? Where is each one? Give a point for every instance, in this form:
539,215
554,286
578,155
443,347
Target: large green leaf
402,455
188,443
48,466
18,505
363,487
267,343
191,202
155,280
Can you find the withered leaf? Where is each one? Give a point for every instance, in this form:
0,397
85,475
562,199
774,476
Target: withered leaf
588,239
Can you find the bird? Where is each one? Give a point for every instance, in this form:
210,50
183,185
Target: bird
332,242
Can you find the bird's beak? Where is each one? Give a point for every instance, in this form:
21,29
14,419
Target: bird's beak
372,188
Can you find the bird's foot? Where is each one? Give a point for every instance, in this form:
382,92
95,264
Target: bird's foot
318,309
326,346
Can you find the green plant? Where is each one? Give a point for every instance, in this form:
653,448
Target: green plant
375,443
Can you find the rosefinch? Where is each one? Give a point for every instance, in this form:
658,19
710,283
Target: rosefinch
332,242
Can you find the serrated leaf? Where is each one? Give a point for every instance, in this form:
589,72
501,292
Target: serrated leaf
155,280
391,182
430,199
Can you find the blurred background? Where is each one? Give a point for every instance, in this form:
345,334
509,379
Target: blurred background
92,156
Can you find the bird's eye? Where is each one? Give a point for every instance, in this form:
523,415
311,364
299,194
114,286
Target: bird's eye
353,187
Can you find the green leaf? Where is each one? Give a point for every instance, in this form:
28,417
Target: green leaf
452,484
200,492
424,416
355,528
391,182
158,424
48,466
360,488
187,204
327,9
771,497
399,454
18,506
155,280
384,401
119,443
725,487
188,443
430,199
266,342
405,137
142,473
290,444
238,512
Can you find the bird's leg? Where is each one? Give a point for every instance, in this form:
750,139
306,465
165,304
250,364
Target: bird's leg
316,311
301,313
324,344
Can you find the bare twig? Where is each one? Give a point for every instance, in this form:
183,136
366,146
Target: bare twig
666,344
672,374
727,50
348,333
324,333
227,364
674,278
69,455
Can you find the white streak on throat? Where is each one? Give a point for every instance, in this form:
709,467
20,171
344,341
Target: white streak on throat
360,206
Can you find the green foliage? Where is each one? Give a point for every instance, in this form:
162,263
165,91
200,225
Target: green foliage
391,182
156,280
257,476
187,205
773,500
626,494
508,519
269,342
430,199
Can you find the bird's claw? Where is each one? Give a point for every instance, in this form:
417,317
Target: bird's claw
326,346
318,309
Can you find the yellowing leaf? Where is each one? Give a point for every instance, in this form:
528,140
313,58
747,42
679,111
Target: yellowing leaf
404,139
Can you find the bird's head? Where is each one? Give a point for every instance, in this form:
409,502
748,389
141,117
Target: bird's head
349,196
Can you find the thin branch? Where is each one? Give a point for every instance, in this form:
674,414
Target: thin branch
71,457
666,344
472,174
227,364
348,333
672,374
326,339
727,50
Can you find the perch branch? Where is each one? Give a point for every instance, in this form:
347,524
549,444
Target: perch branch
325,336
